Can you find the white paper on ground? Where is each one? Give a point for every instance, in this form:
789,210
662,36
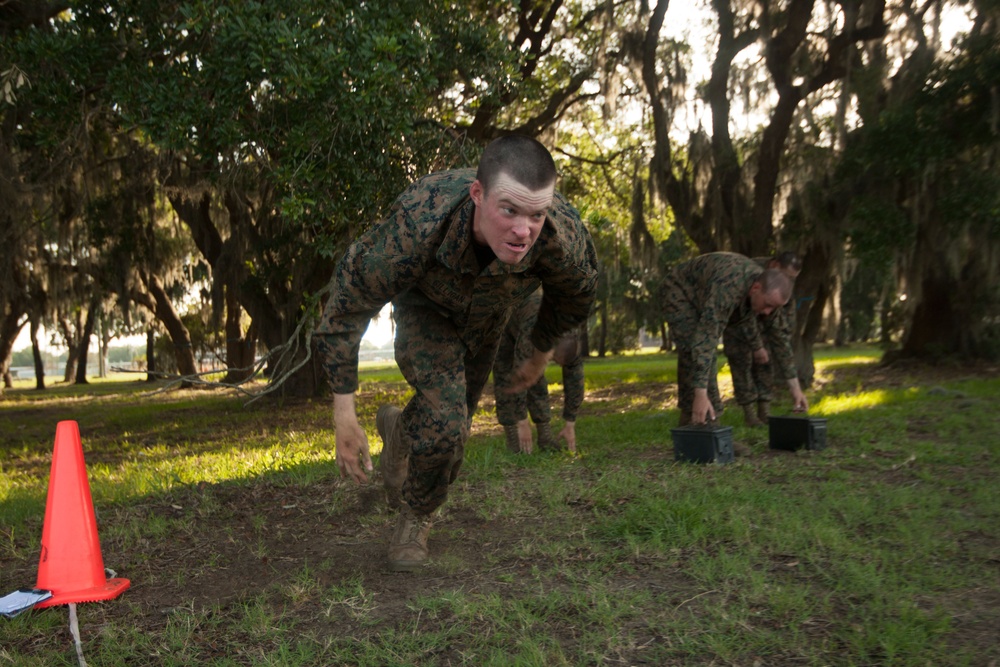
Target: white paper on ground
14,603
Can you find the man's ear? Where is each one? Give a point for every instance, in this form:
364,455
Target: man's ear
476,192
755,288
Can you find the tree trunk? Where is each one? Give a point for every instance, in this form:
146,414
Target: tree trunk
72,347
84,347
804,361
261,301
69,372
179,336
602,345
811,294
307,381
10,327
103,339
936,326
240,347
727,200
680,193
36,355
150,355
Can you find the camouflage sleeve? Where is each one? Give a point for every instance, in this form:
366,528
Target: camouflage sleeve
569,282
376,267
573,389
716,308
778,330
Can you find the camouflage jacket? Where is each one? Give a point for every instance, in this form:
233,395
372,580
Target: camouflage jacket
774,330
422,255
715,287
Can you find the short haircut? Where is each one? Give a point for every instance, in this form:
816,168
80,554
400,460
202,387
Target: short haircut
774,280
522,158
789,260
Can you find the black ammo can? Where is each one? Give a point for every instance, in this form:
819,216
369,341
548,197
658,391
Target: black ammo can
794,433
703,443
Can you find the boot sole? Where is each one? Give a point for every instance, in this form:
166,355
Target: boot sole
406,565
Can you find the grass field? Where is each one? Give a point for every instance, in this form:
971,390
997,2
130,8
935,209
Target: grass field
243,546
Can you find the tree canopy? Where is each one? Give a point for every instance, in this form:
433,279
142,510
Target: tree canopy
154,150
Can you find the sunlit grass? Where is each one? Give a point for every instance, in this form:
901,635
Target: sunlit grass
832,405
160,470
827,356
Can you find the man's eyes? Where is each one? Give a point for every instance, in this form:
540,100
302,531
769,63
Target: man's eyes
534,216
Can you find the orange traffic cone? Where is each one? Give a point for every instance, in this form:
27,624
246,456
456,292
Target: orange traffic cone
70,564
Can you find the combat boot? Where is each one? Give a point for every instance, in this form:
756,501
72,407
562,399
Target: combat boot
392,462
750,415
513,439
546,441
408,548
763,411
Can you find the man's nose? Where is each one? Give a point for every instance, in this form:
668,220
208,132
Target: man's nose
521,229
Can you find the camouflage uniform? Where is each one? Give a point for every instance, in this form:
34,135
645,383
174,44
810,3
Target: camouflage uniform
753,382
515,347
449,313
701,297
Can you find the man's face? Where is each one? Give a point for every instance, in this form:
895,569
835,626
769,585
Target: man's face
765,303
509,217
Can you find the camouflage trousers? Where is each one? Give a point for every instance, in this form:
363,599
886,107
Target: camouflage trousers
448,379
752,382
512,408
683,319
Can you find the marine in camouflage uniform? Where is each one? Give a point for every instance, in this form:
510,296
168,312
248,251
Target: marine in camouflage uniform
451,299
753,382
514,408
701,297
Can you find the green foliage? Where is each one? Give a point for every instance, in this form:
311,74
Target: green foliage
298,122
860,299
876,227
318,101
927,198
943,133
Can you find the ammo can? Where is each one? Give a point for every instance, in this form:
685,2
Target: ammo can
703,443
793,433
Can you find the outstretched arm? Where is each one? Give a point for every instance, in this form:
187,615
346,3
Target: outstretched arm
568,433
524,436
529,371
353,458
702,409
799,402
